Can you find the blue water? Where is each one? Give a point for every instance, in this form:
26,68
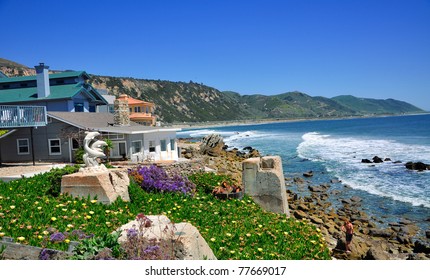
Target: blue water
334,149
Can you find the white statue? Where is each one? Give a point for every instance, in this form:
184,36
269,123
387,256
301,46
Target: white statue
93,149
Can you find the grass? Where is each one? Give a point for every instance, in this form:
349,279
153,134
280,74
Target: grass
234,229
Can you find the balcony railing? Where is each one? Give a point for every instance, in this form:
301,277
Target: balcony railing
22,116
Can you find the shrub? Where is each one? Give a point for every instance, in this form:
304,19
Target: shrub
155,179
208,181
53,178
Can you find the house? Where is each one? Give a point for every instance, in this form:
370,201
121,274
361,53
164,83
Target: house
140,111
59,140
71,110
66,91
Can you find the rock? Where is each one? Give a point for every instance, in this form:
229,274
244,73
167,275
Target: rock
365,160
298,180
387,159
316,188
212,145
421,247
300,214
335,181
404,239
419,166
377,159
386,233
187,242
308,174
303,207
419,256
428,233
316,220
397,161
248,148
356,199
106,185
375,254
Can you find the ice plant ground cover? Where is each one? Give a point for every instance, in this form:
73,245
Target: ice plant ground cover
235,229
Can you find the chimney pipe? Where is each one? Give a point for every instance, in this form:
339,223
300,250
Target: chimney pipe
42,79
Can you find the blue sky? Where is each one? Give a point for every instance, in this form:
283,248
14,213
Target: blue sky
367,48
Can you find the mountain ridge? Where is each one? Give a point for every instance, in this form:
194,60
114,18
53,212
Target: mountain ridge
188,102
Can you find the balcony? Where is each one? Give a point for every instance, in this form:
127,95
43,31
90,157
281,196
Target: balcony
22,116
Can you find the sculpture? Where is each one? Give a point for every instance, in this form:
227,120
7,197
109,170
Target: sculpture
93,149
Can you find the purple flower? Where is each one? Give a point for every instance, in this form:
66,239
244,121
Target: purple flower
131,233
151,249
46,254
57,237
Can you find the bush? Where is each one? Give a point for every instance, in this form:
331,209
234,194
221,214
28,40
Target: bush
208,181
155,179
53,178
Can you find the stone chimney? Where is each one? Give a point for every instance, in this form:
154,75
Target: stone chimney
121,115
42,78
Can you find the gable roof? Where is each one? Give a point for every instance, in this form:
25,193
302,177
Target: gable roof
102,122
18,95
61,75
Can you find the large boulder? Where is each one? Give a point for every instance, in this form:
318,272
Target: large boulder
105,184
188,244
212,145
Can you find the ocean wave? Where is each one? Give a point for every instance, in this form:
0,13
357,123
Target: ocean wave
342,157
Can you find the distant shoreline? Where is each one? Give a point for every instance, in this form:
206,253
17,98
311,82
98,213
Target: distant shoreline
198,125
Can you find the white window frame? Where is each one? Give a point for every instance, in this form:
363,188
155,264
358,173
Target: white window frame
18,146
132,146
51,146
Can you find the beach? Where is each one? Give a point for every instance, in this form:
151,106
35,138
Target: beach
386,202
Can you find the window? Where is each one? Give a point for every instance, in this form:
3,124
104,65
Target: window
79,107
115,136
151,146
137,109
75,144
54,147
163,145
147,110
136,146
119,149
172,144
23,146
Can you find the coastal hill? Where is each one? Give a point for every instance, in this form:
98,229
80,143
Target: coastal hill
179,102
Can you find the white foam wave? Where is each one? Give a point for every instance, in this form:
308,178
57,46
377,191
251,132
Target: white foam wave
342,156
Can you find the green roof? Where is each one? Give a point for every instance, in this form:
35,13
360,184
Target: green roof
66,74
57,92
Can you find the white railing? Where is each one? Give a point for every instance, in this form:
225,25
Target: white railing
13,116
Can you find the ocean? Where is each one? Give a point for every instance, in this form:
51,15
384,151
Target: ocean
333,149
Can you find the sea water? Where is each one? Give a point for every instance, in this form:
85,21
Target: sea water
335,148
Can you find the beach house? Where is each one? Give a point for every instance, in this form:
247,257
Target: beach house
71,109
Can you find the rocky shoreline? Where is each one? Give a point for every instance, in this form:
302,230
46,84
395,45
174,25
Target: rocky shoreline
399,241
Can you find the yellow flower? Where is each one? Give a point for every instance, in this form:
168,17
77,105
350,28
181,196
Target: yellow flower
212,239
69,225
21,238
40,236
107,223
64,209
88,217
53,219
2,234
313,241
12,207
260,249
260,226
73,211
248,234
233,222
1,197
232,252
1,228
36,202
91,212
228,234
39,208
83,204
94,201
107,211
67,240
45,232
